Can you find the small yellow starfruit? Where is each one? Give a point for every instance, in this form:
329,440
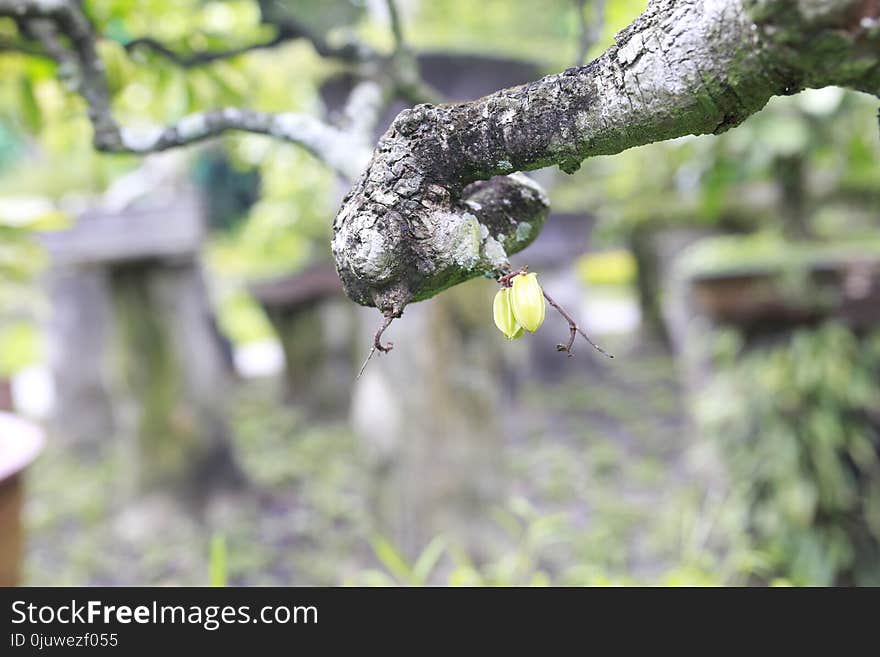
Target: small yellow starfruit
503,313
527,302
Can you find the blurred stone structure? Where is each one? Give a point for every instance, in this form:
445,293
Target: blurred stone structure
762,301
134,349
317,327
458,77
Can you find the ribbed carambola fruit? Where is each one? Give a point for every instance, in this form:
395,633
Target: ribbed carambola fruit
527,301
503,313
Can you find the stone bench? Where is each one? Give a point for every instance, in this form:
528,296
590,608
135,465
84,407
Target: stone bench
133,344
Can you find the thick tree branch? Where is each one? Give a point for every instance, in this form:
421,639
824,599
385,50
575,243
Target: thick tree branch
78,65
408,228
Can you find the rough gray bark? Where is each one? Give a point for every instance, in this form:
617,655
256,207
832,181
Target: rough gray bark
411,225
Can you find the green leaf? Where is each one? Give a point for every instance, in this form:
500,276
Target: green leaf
218,566
30,114
392,560
428,559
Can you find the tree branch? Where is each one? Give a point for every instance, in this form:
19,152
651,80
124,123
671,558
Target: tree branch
288,30
408,230
68,38
22,47
197,58
78,64
341,150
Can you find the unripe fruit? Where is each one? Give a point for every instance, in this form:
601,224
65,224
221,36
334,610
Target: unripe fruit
527,302
503,313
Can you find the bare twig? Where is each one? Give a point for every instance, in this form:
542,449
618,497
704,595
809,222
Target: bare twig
377,343
404,67
574,330
342,150
198,58
288,30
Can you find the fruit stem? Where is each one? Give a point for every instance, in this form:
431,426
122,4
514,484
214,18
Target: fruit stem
574,330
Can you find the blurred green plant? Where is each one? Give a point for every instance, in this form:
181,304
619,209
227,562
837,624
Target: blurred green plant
613,268
548,36
532,536
217,561
21,259
798,426
20,346
398,571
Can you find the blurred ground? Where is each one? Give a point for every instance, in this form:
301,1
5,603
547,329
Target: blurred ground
597,466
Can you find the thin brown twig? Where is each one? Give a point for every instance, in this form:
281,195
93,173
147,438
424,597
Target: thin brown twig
506,278
287,30
377,343
574,330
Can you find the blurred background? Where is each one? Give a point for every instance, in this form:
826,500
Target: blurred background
177,359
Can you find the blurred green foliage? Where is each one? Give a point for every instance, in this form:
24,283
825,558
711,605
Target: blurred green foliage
736,180
516,29
616,268
217,561
798,424
20,346
21,260
596,499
